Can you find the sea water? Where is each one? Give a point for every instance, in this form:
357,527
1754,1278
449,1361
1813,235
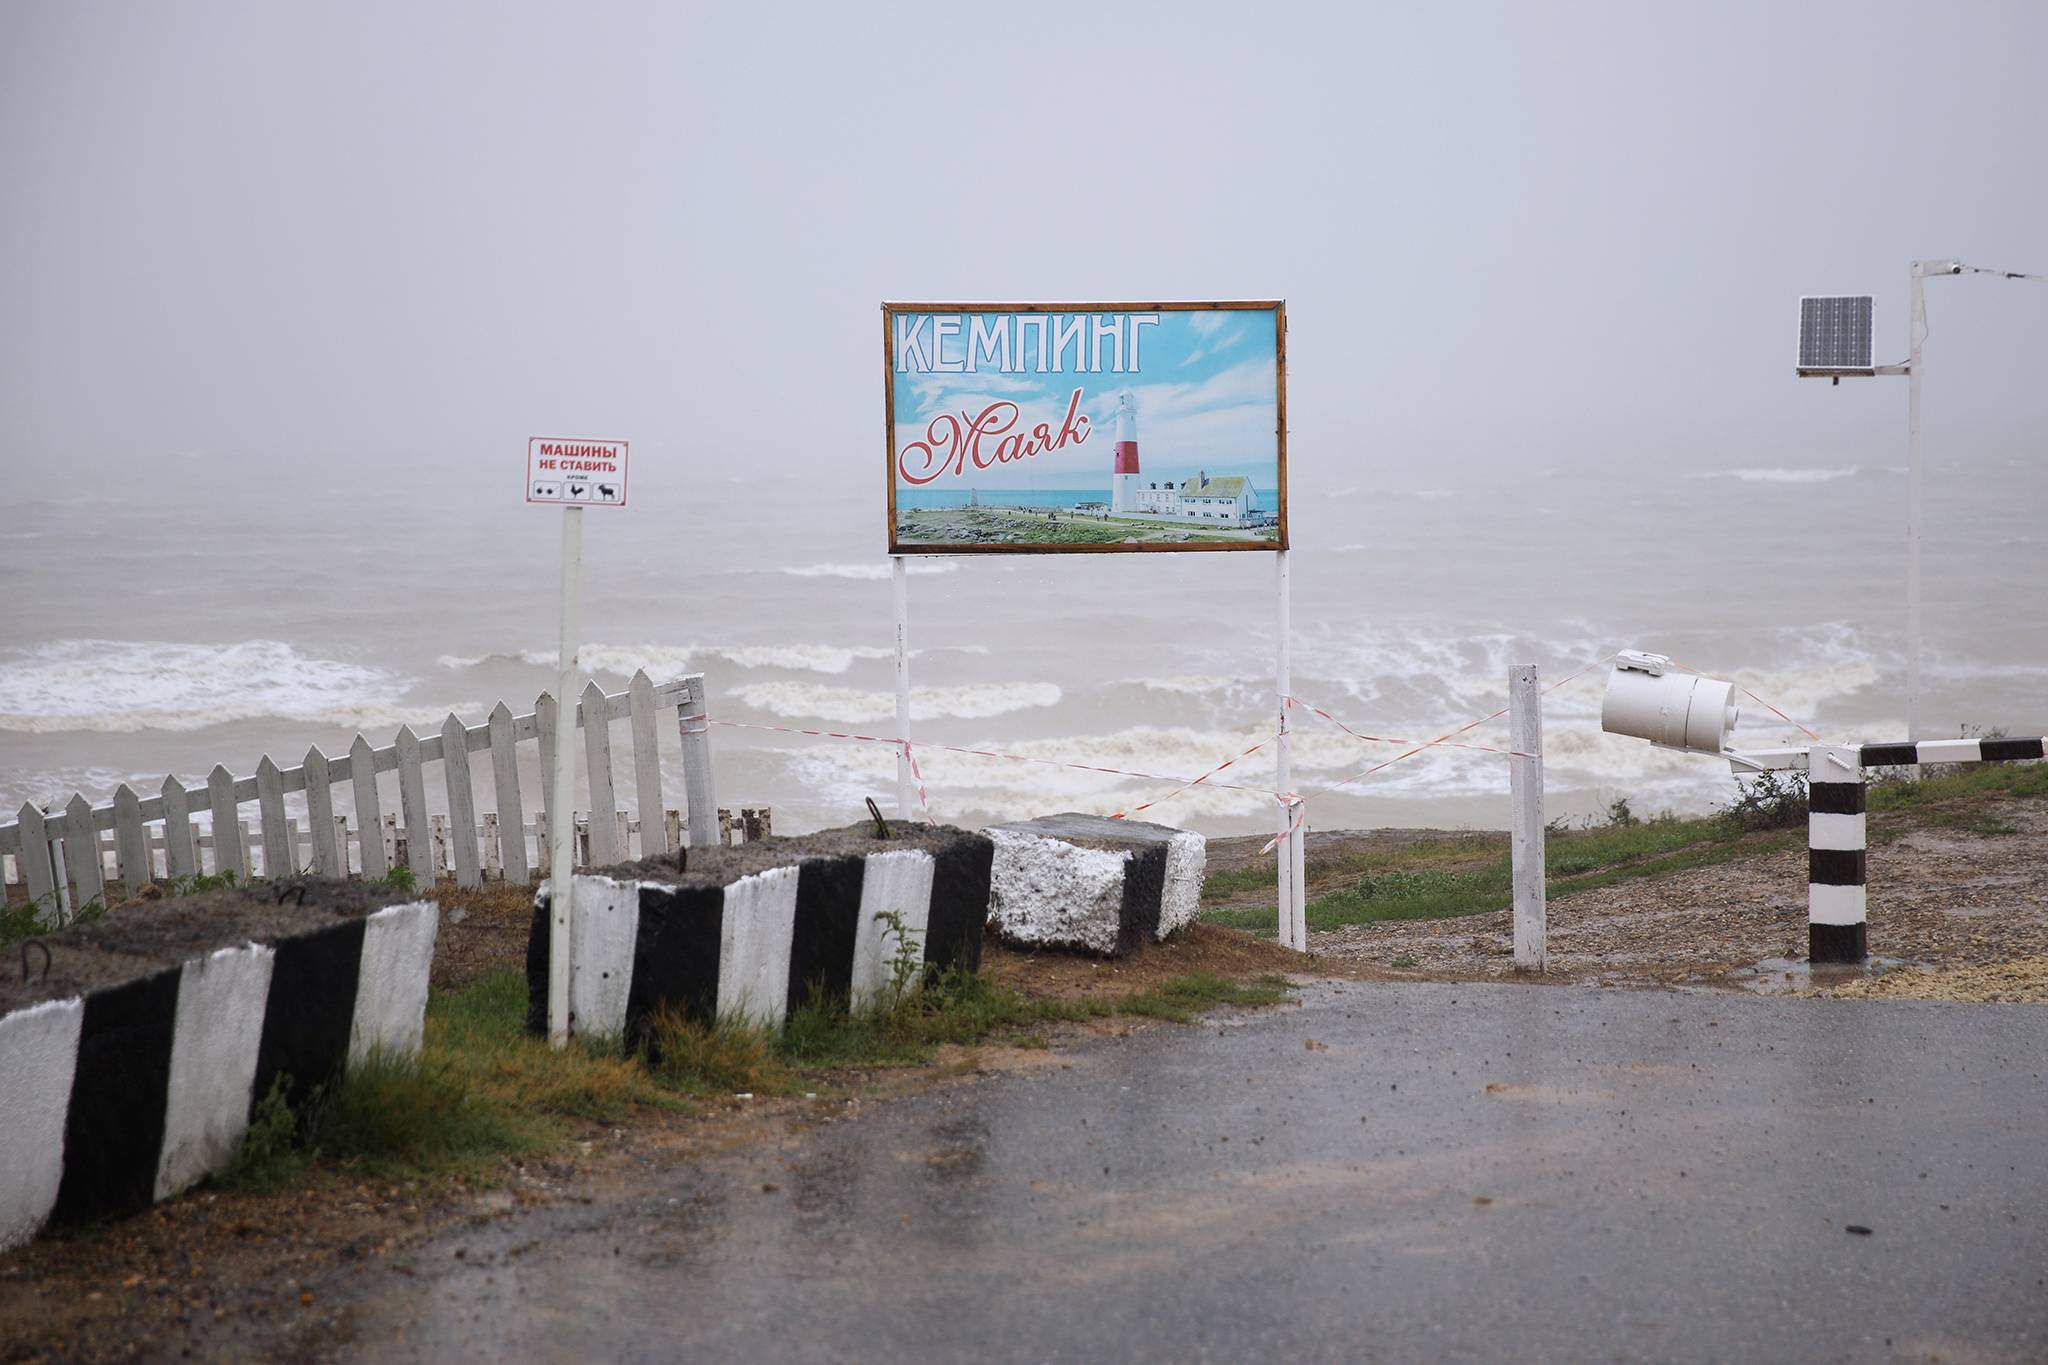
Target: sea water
178,619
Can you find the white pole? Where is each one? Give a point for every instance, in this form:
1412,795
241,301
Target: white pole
900,582
562,824
1525,833
1289,892
1916,488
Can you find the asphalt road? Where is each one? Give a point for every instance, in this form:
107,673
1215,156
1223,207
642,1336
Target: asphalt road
1392,1171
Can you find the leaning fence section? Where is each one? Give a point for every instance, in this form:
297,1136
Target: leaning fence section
65,855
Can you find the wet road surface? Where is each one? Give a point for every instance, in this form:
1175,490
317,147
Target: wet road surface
1392,1171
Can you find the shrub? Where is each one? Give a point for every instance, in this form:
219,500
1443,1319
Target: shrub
1770,800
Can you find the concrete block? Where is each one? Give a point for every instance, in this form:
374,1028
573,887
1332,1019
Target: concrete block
762,929
1093,884
138,1044
40,1045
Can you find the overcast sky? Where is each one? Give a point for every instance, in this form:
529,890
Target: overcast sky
286,233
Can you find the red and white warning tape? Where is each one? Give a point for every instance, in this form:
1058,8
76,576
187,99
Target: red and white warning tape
1119,815
909,748
1450,735
1295,802
1382,739
1810,734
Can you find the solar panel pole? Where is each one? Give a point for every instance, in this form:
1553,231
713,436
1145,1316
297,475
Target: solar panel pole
1916,486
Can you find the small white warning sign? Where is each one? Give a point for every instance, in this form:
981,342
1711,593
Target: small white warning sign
576,470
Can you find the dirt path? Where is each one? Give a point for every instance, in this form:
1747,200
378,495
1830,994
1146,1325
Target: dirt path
1969,894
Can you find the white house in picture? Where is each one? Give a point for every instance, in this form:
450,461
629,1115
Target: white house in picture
1228,500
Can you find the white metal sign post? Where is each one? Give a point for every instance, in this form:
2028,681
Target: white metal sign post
575,474
1288,852
897,573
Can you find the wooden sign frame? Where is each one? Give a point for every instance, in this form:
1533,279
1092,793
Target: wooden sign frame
1278,308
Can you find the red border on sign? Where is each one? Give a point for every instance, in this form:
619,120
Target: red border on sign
625,466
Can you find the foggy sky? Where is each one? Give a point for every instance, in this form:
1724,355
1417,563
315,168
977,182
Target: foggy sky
275,237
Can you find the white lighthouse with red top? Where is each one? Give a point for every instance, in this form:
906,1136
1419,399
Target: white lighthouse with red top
1123,495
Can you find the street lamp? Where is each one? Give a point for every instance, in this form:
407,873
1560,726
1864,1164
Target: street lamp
1834,341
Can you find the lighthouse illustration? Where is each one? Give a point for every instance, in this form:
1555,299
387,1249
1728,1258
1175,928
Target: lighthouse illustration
1123,495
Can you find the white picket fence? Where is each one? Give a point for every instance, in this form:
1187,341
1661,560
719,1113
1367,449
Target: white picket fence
64,857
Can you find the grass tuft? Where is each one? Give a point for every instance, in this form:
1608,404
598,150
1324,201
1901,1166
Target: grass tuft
725,1058
479,1035
1471,875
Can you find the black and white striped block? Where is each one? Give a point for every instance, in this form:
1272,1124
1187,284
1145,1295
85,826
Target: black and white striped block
756,931
1836,931
1094,884
1948,751
137,1051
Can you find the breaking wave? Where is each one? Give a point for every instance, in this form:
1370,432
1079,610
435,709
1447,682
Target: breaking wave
869,569
1776,474
818,701
667,661
115,686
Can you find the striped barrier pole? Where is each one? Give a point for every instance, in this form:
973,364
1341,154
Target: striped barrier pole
1836,841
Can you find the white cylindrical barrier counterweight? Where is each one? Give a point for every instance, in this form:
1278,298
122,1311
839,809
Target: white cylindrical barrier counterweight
1648,699
1835,842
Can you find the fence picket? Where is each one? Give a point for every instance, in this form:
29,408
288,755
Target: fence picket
640,706
131,840
394,844
494,864
320,821
242,846
412,800
461,800
544,724
439,825
38,873
181,855
671,829
280,859
220,799
362,776
699,799
510,855
82,853
597,747
341,843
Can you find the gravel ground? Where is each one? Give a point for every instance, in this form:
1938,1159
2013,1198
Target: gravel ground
1957,914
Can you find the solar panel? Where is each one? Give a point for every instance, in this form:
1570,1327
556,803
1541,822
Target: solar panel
1834,334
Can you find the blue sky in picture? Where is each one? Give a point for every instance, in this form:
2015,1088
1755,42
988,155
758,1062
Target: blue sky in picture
1204,389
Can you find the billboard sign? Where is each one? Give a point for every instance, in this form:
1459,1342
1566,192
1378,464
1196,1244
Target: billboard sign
1086,427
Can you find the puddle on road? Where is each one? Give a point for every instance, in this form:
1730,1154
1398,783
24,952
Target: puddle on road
1792,975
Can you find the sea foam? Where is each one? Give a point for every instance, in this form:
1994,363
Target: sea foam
126,685
869,569
1776,474
818,701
